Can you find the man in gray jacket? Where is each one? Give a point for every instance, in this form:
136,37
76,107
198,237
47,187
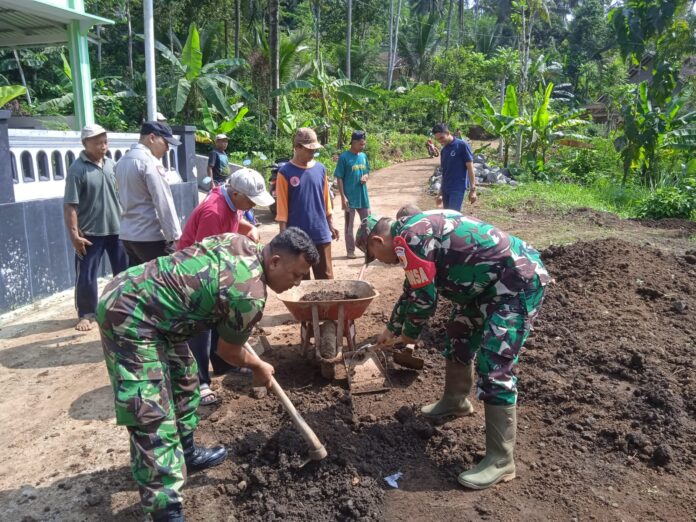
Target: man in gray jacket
149,223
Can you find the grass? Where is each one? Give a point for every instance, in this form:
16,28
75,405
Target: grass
539,195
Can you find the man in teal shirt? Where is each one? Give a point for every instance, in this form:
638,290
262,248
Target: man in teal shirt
352,172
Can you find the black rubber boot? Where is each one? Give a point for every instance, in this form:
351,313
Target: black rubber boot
198,458
173,513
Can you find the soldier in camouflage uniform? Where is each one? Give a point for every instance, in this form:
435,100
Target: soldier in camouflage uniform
147,314
496,282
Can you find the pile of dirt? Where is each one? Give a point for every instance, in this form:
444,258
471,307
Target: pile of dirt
607,393
328,295
613,352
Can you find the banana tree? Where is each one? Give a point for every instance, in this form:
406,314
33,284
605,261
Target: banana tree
211,127
649,128
10,92
503,124
341,100
197,81
544,127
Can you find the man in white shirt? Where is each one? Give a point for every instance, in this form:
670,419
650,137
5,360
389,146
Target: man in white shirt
149,223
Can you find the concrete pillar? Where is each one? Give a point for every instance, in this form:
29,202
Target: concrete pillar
186,153
6,183
81,74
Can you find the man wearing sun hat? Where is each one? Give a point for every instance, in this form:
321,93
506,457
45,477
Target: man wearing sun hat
496,283
149,222
218,162
92,216
222,212
302,191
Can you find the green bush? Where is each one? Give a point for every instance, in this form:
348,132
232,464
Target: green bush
586,166
671,202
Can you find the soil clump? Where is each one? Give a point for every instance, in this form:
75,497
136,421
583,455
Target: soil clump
328,295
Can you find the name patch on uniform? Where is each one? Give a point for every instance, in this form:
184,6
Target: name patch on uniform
295,181
419,272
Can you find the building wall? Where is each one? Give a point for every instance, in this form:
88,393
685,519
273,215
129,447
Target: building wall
37,258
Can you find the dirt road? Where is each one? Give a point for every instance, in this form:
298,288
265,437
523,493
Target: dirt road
607,417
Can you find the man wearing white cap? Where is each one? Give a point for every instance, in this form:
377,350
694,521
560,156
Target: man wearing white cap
218,162
92,216
222,212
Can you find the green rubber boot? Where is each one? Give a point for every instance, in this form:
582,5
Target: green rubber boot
454,403
498,464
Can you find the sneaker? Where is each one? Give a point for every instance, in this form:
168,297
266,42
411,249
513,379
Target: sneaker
351,255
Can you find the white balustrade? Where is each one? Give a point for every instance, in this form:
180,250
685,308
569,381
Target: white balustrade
41,158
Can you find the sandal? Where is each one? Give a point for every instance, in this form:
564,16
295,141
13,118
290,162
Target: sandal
208,397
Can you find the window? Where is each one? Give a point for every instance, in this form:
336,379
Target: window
57,164
28,174
15,176
69,158
42,163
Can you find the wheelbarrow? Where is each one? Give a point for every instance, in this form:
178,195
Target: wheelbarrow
338,316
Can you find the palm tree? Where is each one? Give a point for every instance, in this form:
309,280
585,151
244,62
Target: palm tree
349,32
274,54
421,46
197,81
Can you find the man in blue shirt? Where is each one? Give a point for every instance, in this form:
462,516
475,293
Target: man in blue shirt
352,172
302,189
218,162
457,164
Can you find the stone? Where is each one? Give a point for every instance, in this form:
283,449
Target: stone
259,392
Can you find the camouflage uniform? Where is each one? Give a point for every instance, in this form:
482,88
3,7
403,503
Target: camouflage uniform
145,315
496,282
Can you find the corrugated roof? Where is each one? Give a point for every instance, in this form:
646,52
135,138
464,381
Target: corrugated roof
32,23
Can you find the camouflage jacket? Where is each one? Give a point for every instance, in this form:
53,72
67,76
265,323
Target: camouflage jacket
461,258
218,282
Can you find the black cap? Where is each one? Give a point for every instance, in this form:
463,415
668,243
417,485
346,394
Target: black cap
160,129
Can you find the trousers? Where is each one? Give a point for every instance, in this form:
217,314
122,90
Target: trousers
156,396
348,227
493,334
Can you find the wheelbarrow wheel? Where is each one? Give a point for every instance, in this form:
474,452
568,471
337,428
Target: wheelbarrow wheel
327,347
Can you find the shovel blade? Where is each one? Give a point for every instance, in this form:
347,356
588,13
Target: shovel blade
406,358
365,373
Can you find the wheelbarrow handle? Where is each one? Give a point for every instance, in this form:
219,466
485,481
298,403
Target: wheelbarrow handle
317,450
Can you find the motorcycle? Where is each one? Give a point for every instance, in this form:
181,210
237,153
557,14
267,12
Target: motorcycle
433,151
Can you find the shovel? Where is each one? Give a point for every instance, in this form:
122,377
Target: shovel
403,357
316,448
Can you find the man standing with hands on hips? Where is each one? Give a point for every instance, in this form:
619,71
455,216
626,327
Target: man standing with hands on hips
457,162
352,172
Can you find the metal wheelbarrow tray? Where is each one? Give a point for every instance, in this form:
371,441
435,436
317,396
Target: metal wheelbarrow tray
352,308
365,373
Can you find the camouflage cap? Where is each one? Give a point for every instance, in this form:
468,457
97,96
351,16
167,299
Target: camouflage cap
364,230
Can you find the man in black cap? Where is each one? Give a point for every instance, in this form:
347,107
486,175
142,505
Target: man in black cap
149,223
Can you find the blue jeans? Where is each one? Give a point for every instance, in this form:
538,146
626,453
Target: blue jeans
453,199
87,270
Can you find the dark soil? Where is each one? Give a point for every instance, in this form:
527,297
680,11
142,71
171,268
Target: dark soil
607,414
328,295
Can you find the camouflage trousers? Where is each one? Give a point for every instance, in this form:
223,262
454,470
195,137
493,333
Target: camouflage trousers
156,393
493,334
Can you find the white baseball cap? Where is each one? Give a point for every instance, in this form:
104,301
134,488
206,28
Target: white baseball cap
251,184
221,137
90,131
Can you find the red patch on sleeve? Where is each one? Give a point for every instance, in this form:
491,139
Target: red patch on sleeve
419,272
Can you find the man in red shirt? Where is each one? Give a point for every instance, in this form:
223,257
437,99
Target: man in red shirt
222,212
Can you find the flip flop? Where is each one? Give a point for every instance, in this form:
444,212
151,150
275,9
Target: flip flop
208,397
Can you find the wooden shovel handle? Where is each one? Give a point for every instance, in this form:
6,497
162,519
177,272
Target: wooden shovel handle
317,450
